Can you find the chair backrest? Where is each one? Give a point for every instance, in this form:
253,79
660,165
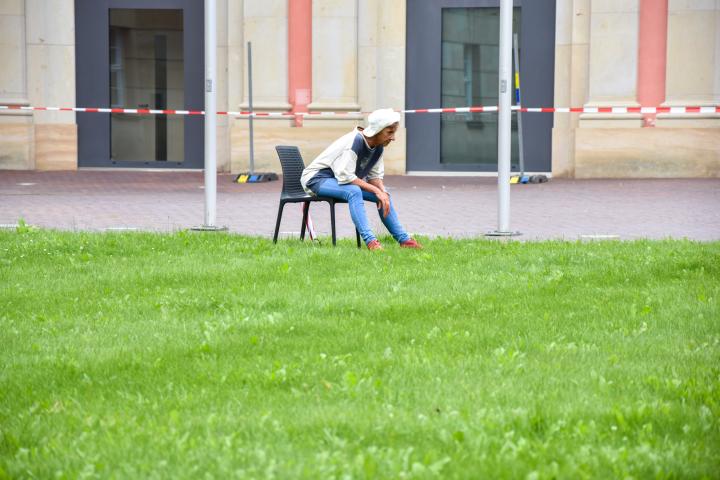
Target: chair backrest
292,167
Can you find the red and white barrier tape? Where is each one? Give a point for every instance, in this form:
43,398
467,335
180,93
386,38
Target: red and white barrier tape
479,109
618,110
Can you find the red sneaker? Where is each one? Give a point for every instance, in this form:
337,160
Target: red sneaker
412,243
374,245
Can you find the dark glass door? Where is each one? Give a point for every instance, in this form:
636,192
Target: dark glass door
452,61
140,55
470,71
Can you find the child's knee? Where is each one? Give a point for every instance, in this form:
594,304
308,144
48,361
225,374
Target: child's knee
354,191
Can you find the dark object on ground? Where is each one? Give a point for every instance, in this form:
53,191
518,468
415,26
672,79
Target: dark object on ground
538,179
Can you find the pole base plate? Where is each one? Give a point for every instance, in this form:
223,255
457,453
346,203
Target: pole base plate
209,228
496,233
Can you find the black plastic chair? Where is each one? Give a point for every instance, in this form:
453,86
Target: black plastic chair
292,192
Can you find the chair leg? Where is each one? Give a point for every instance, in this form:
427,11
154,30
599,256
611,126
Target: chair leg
277,223
357,237
306,207
332,222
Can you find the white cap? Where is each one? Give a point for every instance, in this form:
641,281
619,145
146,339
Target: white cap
380,119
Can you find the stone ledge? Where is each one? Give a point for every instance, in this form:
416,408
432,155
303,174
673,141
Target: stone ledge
311,140
56,147
647,153
16,141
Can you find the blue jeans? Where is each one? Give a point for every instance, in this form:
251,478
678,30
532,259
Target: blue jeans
354,195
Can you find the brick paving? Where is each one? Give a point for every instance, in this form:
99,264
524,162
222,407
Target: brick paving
432,206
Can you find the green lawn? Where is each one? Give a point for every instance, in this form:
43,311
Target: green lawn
221,356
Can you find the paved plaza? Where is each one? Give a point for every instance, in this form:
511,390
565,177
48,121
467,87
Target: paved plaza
432,206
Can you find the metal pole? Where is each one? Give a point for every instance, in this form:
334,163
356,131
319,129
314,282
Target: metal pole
504,117
519,104
210,113
250,104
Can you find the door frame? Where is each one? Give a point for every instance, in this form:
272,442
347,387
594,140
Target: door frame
424,82
92,73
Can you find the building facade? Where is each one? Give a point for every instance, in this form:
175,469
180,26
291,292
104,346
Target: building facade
359,55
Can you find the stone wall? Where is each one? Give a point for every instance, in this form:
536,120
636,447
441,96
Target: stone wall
37,40
597,65
358,64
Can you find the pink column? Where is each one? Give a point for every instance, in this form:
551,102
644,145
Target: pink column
299,56
652,56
